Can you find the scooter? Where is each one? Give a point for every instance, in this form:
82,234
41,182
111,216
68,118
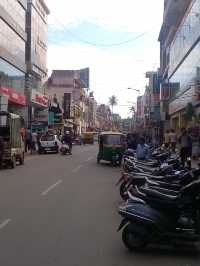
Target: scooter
177,223
64,150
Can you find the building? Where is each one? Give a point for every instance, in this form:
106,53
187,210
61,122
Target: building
36,60
69,88
104,117
180,46
12,54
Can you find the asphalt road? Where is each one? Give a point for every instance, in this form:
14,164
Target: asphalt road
62,211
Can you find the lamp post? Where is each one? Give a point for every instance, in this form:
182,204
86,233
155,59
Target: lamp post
134,90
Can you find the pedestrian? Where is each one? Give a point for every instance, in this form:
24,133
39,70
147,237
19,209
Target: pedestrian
28,141
1,151
167,139
186,146
142,151
173,140
34,141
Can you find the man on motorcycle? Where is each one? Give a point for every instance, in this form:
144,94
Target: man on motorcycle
68,140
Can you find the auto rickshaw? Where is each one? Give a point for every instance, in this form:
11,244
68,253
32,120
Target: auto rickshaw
111,147
88,138
11,143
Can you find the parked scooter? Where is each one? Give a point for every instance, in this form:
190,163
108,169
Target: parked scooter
176,221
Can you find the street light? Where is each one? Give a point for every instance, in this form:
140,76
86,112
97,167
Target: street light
134,90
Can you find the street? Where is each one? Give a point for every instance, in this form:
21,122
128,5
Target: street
62,210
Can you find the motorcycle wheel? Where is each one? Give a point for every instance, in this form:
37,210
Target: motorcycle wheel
132,239
122,191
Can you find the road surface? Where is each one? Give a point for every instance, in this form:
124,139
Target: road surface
62,211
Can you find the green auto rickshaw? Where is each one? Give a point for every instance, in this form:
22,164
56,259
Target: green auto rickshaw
111,147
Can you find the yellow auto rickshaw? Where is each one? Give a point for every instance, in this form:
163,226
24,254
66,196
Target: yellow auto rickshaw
111,147
88,138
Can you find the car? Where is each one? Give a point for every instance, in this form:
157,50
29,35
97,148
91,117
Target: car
49,143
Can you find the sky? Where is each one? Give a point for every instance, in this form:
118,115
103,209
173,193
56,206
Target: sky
117,40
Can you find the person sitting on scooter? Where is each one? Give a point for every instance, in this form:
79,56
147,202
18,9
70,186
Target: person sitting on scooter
68,140
142,151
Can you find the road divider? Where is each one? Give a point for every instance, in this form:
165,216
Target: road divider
5,223
44,193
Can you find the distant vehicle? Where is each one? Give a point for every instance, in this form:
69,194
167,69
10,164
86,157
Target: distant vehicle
49,143
12,145
88,138
77,140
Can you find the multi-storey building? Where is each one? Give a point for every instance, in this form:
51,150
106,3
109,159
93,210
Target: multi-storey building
69,88
12,54
180,64
36,60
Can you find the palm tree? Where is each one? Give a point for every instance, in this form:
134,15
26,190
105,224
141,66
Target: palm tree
113,102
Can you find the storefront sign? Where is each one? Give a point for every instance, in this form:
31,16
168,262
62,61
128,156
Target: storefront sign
14,96
39,98
190,96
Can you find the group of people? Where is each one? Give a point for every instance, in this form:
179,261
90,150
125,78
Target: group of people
184,140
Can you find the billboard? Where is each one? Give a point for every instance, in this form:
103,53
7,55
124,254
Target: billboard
67,106
85,76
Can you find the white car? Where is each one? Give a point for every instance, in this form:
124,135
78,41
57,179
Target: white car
49,143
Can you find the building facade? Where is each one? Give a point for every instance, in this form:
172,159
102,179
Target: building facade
69,89
13,39
36,61
180,63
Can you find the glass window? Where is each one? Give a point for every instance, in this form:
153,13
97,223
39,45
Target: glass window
186,36
38,40
48,138
10,41
188,72
15,10
113,139
11,77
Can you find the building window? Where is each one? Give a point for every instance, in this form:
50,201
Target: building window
11,77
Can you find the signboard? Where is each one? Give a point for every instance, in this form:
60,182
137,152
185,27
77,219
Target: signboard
14,96
39,98
85,76
67,106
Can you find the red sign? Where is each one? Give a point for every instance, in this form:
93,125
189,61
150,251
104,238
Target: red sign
14,96
39,98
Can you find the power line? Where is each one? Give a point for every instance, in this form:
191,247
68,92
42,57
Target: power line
75,36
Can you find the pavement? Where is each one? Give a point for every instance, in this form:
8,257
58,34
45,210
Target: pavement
62,211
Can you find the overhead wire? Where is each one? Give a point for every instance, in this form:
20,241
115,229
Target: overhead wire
80,39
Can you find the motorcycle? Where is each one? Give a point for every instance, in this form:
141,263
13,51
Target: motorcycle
64,150
175,221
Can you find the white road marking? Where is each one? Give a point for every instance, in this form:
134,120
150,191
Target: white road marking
75,170
89,159
44,193
2,225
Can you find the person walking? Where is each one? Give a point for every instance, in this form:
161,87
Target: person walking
173,140
28,141
167,139
185,141
142,151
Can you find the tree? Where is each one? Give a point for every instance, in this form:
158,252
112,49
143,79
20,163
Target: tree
113,102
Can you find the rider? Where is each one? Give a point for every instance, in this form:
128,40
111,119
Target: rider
68,140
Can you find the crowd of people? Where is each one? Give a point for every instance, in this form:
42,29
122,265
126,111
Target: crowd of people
182,144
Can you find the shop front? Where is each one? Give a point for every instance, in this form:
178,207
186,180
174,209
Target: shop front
39,111
16,102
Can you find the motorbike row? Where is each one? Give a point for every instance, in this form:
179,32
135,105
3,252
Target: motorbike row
161,201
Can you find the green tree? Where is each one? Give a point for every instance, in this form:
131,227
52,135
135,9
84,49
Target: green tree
112,102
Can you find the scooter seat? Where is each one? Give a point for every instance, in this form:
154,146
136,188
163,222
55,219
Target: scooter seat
153,193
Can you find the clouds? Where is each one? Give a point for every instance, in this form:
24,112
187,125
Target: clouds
112,69
128,15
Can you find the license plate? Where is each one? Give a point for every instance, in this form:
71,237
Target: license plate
47,149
